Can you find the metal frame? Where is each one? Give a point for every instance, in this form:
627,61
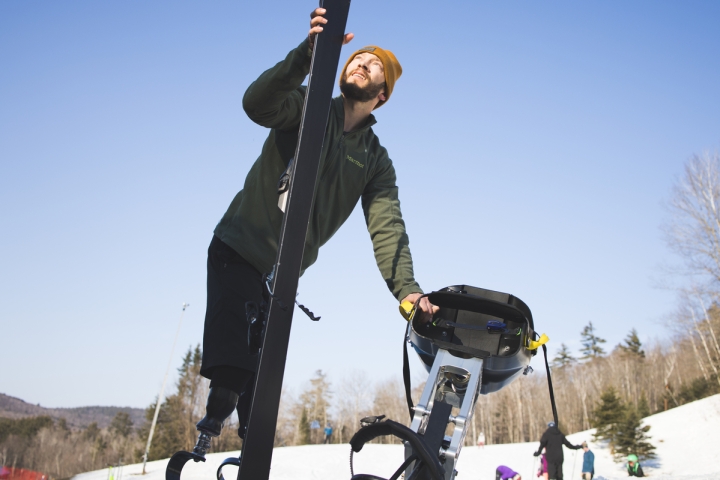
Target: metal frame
455,381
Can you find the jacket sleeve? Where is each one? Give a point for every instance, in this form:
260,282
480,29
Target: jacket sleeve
275,99
391,244
570,445
543,443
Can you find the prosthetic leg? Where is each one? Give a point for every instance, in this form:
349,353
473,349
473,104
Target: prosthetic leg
220,405
223,399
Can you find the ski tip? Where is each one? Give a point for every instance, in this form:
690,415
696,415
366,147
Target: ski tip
177,462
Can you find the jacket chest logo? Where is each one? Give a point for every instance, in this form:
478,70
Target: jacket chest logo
353,161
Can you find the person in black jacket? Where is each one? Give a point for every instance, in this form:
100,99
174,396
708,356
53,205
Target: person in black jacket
552,441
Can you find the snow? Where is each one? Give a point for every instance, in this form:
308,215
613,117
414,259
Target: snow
687,440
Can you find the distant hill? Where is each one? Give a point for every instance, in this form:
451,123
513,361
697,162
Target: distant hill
79,417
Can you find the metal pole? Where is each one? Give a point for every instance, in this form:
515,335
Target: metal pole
162,390
532,471
475,444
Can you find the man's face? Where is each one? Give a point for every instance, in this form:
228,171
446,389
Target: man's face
364,78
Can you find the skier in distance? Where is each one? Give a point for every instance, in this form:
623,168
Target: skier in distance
552,441
588,466
633,467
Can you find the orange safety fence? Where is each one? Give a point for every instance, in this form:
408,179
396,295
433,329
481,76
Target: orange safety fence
9,473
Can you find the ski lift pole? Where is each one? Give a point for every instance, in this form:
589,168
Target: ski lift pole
162,391
532,470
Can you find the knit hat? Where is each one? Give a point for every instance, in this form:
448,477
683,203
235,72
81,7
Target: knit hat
632,458
391,66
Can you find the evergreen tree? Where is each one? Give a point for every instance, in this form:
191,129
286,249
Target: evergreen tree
304,429
62,425
121,425
591,343
631,437
175,428
315,401
23,427
643,407
563,358
91,432
608,413
632,345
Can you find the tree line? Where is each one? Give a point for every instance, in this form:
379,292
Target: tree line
610,391
52,447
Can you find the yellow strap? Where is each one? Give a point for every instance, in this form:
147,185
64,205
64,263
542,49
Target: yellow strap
535,344
407,310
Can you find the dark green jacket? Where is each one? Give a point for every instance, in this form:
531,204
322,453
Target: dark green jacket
354,166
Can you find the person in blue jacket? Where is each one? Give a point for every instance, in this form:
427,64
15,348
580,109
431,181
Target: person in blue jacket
588,467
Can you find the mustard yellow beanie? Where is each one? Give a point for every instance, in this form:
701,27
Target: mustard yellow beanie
391,66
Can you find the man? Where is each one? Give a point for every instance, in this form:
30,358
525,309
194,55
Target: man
506,473
633,467
354,166
588,466
552,441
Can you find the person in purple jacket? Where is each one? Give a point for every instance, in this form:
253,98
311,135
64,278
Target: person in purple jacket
506,473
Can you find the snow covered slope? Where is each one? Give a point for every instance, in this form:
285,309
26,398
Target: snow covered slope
687,440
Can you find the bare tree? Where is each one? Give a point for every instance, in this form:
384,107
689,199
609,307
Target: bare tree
693,230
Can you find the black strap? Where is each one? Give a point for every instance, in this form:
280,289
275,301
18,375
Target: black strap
550,387
419,447
406,373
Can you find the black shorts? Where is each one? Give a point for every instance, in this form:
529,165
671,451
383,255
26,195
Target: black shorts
231,282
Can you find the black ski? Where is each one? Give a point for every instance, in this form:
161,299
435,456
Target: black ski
258,445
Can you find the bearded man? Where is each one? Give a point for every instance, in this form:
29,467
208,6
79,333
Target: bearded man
354,166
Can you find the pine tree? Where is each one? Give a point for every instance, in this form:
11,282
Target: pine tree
643,407
121,424
563,358
175,428
632,345
608,413
631,437
591,343
91,432
315,401
304,429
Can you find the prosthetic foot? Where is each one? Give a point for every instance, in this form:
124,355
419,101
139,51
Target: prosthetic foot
221,403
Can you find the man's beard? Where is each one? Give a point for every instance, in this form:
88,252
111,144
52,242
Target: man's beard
357,93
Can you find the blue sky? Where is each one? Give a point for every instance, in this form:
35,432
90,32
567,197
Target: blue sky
534,144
